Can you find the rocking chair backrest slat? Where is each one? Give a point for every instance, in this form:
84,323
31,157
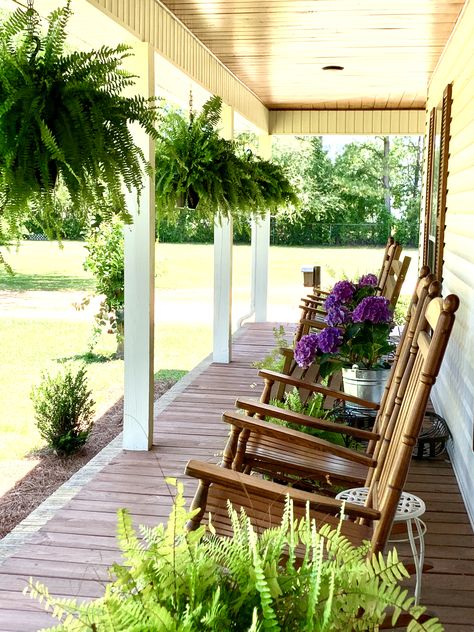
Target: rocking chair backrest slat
405,378
388,256
425,291
395,279
391,278
391,472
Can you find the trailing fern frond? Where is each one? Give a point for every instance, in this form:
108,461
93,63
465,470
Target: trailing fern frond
64,124
176,581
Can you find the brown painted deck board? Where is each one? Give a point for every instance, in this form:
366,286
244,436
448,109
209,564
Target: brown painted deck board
71,553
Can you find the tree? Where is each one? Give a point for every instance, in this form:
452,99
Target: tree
407,168
312,173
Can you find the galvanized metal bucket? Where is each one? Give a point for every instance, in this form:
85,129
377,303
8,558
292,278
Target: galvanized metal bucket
364,383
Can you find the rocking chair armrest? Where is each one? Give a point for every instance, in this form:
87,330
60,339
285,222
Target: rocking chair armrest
274,376
230,479
286,352
314,324
313,310
257,408
295,437
306,300
319,294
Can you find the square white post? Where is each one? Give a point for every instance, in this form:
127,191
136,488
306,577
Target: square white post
261,246
223,241
140,280
260,251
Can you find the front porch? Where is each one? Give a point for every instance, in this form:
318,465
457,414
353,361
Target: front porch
71,552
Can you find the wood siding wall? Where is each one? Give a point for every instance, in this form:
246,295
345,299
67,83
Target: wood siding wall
454,393
151,22
347,122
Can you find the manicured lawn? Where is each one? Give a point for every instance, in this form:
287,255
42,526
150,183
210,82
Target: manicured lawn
184,275
40,265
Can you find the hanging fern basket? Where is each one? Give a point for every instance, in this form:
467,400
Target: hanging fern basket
198,169
64,125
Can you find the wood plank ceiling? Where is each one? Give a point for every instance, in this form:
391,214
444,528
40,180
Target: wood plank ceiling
277,48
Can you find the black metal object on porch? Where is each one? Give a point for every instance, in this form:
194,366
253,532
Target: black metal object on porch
433,437
431,441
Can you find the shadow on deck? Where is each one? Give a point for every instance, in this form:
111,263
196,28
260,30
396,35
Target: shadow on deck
72,551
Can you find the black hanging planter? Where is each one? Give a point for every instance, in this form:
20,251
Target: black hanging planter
188,200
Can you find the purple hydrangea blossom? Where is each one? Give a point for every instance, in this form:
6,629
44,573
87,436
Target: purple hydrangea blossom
331,302
343,291
306,350
367,279
330,340
337,315
372,309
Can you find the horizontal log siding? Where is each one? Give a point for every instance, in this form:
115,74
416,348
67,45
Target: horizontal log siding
454,394
150,21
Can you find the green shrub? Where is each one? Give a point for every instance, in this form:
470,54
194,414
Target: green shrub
274,361
106,260
173,580
314,407
64,410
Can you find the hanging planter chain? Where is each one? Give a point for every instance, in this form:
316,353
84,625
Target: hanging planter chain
32,24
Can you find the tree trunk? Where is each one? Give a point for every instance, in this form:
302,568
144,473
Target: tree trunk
386,174
417,168
119,353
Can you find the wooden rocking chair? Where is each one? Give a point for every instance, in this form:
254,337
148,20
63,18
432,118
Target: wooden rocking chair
286,454
392,251
264,500
276,387
390,282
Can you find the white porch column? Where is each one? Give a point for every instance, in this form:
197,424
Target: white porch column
223,240
139,280
261,246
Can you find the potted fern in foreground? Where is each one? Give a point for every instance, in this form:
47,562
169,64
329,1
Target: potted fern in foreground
64,126
174,580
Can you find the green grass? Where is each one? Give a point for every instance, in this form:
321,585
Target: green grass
46,266
30,347
184,276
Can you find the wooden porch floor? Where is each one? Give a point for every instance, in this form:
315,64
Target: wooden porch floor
72,551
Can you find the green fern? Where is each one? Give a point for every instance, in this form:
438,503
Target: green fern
274,361
198,169
291,577
64,124
314,407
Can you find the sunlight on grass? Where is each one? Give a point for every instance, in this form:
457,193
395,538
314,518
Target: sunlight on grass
183,333
43,265
31,347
